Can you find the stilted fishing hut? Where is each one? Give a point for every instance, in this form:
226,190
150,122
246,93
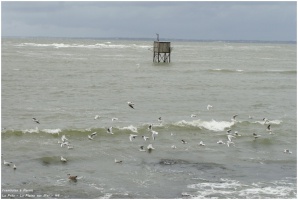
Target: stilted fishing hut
161,51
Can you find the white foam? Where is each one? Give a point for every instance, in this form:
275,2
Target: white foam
131,128
36,130
210,125
52,131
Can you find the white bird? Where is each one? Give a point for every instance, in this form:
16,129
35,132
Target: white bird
35,120
229,131
63,138
265,120
173,147
230,142
7,163
236,133
234,117
142,148
96,117
64,143
109,130
230,137
145,138
150,147
193,115
183,142
130,104
118,161
132,136
63,159
201,143
14,167
209,106
255,135
287,151
154,133
220,142
90,138
269,129
93,134
69,147
159,120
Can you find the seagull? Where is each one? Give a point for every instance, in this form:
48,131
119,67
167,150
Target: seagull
118,161
64,144
255,135
14,167
220,142
7,163
145,138
63,159
154,133
131,136
193,115
209,106
173,147
287,151
93,134
69,147
269,128
183,142
230,137
35,120
96,117
265,120
63,138
150,147
234,117
150,127
114,119
73,178
130,104
90,137
230,142
142,148
229,131
201,143
250,117
109,130
236,133
159,120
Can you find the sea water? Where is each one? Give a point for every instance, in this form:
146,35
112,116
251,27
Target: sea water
64,83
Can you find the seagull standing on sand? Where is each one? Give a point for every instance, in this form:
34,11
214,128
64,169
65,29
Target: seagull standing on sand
130,104
35,120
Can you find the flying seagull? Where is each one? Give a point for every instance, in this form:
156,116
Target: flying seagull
131,136
130,104
109,130
35,120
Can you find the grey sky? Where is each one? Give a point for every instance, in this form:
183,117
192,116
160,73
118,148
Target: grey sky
179,20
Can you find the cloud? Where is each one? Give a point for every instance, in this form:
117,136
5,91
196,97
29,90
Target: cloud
185,20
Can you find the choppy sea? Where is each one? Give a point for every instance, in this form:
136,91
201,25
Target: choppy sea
75,87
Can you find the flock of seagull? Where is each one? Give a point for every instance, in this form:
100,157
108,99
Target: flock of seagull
230,137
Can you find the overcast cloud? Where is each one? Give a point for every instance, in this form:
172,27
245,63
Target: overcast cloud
177,20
